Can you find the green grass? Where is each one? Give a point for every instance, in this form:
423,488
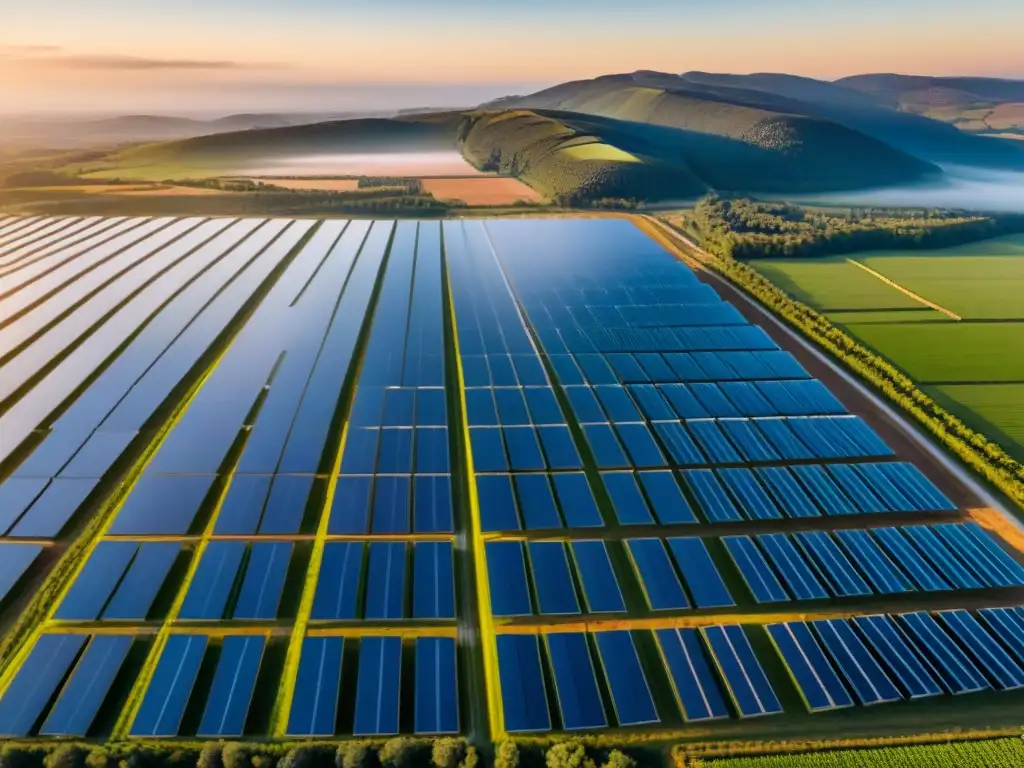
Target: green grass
950,352
865,317
993,409
833,284
971,754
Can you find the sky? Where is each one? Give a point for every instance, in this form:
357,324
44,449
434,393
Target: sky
223,56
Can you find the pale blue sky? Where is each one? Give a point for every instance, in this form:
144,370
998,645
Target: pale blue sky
239,54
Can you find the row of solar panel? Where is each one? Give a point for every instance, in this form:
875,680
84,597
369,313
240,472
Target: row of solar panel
815,565
690,308
674,443
360,581
624,368
395,451
722,338
700,400
875,659
399,407
512,406
64,685
534,501
15,560
675,368
126,394
690,657
378,688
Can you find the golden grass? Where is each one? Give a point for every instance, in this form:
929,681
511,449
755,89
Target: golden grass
482,191
599,151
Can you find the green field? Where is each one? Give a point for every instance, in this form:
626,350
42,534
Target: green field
973,366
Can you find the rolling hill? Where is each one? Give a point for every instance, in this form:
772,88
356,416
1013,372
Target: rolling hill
973,104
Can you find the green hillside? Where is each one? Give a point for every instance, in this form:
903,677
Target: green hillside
569,160
737,144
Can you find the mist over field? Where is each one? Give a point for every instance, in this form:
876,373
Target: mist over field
961,187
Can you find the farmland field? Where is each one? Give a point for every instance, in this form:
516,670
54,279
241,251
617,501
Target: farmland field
973,365
477,191
292,479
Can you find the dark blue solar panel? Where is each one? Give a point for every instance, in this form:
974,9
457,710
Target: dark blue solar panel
350,507
551,578
512,410
385,589
523,697
745,680
36,681
315,702
597,577
892,648
576,498
49,514
680,445
162,504
337,590
760,578
699,572
213,581
377,700
868,681
432,450
497,503
573,671
399,408
391,504
396,449
480,408
605,446
264,581
559,447
231,693
524,451
432,504
437,695
627,500
506,574
640,445
666,498
433,580
488,450
537,502
243,506
631,695
171,686
84,692
817,681
695,684
97,580
141,584
286,504
711,496
661,585
955,669
431,408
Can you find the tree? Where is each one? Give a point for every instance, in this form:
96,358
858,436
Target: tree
398,753
235,755
307,756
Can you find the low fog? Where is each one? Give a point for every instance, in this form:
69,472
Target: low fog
962,187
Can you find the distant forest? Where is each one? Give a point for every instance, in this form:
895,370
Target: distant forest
747,229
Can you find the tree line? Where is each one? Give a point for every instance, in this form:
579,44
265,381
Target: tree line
401,752
747,229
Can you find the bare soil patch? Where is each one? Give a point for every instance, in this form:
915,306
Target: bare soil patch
481,191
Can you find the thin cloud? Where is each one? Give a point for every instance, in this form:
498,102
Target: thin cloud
55,57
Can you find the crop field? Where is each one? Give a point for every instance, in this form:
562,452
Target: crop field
296,479
481,191
971,365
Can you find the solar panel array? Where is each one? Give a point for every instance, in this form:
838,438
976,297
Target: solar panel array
320,476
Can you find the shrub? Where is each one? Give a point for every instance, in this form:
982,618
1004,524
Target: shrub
399,753
209,757
617,759
307,756
506,755
98,757
20,757
471,760
235,755
448,752
568,754
66,756
354,754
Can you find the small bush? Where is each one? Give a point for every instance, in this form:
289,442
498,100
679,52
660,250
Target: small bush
20,757
209,757
307,756
235,755
568,754
617,759
66,756
448,752
354,754
506,755
98,757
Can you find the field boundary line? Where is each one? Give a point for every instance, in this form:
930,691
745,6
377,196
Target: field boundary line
905,291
